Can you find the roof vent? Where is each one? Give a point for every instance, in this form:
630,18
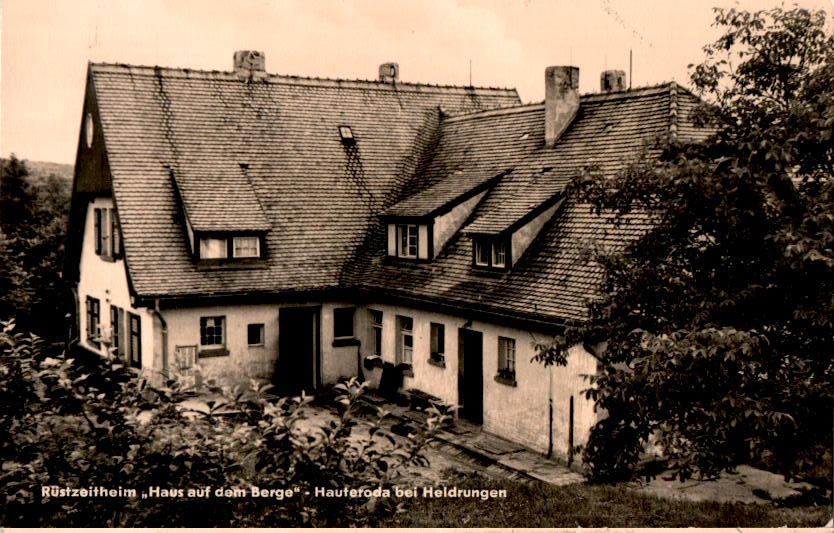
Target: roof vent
389,73
249,63
612,80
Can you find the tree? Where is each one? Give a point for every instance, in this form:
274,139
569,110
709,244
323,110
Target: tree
33,221
718,323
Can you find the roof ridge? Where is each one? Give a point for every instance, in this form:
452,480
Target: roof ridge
273,77
493,111
673,112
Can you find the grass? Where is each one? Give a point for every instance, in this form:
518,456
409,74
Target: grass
538,504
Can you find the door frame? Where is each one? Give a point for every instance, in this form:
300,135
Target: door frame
315,311
478,417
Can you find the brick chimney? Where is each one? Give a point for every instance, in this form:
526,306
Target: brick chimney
561,101
389,73
612,80
250,64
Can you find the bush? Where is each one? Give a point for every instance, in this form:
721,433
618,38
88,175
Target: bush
76,425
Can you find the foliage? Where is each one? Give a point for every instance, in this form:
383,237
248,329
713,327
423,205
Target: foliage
718,323
539,504
97,423
33,219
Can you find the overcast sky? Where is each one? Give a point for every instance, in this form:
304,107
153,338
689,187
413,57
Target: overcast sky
46,45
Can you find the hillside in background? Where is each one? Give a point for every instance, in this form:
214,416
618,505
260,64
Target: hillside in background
45,168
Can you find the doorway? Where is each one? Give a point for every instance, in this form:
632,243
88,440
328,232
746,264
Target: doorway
298,367
471,375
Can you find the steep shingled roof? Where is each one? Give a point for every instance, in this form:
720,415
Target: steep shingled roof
318,196
554,278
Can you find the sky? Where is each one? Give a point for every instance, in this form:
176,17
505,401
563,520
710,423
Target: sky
45,46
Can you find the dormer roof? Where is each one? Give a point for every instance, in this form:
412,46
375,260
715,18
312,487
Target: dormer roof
444,195
219,198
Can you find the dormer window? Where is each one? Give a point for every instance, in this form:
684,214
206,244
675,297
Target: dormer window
213,248
407,237
499,255
490,252
247,247
235,247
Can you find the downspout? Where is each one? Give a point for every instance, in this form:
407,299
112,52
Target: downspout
550,414
158,314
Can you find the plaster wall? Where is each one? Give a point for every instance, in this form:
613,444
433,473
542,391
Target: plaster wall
107,281
447,224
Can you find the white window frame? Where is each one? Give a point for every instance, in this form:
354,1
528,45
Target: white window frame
376,331
405,354
506,355
236,240
223,332
496,247
404,237
481,247
204,241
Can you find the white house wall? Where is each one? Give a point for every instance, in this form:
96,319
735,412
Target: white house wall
107,281
519,413
244,361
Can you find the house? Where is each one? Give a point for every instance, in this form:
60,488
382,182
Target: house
303,230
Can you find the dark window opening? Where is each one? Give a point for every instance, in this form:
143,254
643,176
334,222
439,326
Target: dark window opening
255,334
343,322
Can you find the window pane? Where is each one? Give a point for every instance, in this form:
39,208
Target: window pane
343,322
213,248
376,327
405,339
498,255
408,240
246,247
105,232
481,253
255,333
506,354
135,354
437,338
114,237
211,331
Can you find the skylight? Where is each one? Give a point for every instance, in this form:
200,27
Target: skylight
346,134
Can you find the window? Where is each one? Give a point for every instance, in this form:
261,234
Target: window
93,319
246,247
481,252
117,340
490,252
506,358
108,243
405,344
407,238
438,342
346,134
135,343
213,248
211,332
499,256
343,322
376,331
115,241
255,334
